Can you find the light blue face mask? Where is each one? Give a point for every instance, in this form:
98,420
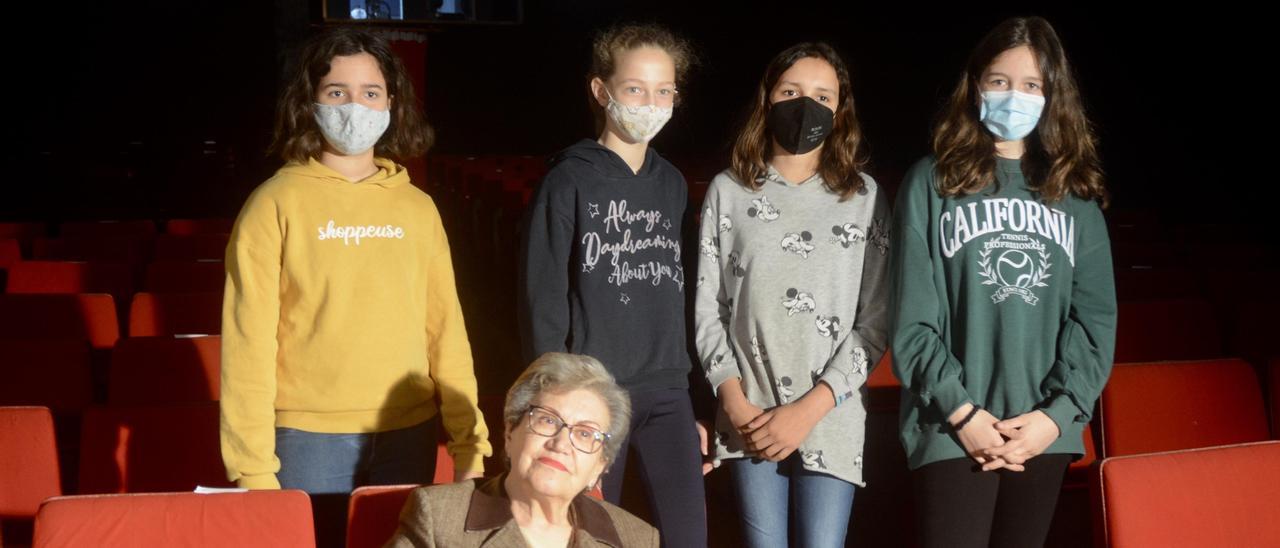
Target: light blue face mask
1010,115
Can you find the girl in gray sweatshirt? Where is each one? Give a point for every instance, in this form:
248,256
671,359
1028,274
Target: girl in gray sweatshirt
790,308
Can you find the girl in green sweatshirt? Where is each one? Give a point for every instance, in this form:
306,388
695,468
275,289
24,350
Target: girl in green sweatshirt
1004,302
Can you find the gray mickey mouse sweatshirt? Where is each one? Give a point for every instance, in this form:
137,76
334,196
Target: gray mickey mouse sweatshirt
792,290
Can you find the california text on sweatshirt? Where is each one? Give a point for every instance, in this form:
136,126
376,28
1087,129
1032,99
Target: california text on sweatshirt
1001,300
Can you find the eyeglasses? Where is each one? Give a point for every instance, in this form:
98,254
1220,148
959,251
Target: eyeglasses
544,422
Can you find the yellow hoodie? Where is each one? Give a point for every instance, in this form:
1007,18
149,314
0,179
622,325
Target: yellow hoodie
341,316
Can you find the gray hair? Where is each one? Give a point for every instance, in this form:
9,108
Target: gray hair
560,372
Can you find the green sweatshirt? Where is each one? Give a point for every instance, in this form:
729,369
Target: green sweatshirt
1001,300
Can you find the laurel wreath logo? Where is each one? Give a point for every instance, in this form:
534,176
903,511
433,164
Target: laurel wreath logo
1037,277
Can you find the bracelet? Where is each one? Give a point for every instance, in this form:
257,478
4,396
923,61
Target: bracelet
972,412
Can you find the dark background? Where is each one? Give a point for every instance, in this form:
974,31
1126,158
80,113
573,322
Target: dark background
157,110
163,109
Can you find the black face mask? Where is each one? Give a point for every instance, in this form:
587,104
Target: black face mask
800,125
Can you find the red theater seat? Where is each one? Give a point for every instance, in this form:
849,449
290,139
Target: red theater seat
1167,406
114,279
185,277
186,227
374,514
194,247
274,519
10,253
28,470
28,461
90,317
23,232
884,392
49,372
163,370
1216,496
1273,393
130,250
157,314
127,449
107,228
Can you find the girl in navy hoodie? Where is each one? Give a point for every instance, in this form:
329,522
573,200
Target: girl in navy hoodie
603,273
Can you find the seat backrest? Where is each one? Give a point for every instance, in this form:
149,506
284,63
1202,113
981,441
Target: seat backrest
28,461
162,370
276,519
1273,393
1216,496
90,317
192,247
49,372
185,277
70,277
157,314
130,250
1165,406
10,252
186,227
374,513
107,228
150,449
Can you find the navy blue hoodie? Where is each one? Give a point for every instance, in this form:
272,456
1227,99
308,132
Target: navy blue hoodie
602,271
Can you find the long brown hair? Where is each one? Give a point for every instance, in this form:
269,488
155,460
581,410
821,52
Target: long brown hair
842,155
1061,152
297,137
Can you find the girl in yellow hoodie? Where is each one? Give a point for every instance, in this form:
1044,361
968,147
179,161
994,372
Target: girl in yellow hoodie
341,323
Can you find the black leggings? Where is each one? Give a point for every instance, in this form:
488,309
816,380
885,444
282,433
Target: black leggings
666,445
958,505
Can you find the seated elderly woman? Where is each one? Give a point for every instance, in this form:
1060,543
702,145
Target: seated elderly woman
565,422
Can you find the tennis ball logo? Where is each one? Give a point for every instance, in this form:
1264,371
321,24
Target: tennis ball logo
1015,268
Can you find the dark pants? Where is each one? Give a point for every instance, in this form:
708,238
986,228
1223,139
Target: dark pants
329,466
665,441
958,505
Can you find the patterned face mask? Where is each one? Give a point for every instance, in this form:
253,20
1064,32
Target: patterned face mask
351,128
640,123
1010,115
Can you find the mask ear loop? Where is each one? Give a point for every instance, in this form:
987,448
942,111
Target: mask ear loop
653,107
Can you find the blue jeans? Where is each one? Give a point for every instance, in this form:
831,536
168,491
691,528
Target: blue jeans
768,491
338,463
329,466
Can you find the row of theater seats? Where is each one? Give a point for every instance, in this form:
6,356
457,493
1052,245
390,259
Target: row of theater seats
1146,410
145,448
1156,424
1169,312
1219,496
258,518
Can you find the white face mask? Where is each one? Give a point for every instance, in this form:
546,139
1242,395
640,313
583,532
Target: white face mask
640,123
1010,115
352,128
